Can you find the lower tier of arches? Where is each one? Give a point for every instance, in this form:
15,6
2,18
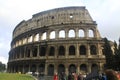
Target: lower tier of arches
49,67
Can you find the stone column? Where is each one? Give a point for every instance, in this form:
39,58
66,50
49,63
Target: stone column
56,52
86,33
66,33
77,50
38,51
78,69
76,33
31,52
56,34
40,34
89,68
66,51
23,70
47,51
46,71
55,68
88,50
47,35
66,69
37,66
29,68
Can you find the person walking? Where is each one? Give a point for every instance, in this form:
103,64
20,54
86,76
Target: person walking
55,76
80,77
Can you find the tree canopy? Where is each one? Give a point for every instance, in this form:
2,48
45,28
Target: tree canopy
2,67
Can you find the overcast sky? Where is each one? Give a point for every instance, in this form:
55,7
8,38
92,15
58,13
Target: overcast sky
105,12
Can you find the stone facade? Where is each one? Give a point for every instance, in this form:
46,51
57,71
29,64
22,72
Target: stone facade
58,40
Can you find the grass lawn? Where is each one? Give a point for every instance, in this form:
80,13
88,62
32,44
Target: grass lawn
10,76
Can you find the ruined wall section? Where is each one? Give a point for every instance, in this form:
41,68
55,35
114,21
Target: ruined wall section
67,15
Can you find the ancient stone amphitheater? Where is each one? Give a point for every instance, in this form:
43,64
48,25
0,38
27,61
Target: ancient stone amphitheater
58,40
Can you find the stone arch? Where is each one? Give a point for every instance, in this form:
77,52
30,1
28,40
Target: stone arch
61,34
26,68
20,42
72,68
91,33
61,68
83,68
22,52
33,68
71,50
82,50
71,33
44,36
93,50
61,51
17,43
94,68
36,37
24,40
42,51
27,52
30,38
52,35
81,33
34,51
50,70
41,68
51,51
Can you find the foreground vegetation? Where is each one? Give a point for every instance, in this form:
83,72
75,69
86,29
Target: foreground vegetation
9,76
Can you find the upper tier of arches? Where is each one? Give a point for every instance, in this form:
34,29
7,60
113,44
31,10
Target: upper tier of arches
55,34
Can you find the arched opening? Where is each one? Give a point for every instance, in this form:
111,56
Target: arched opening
81,33
50,70
83,68
24,40
22,52
30,38
71,50
20,42
94,68
36,38
33,68
93,50
91,33
41,69
71,33
28,53
26,68
44,36
42,51
61,51
72,68
52,51
34,51
61,68
82,50
62,34
52,35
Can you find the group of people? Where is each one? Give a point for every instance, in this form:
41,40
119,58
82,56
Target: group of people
71,76
74,76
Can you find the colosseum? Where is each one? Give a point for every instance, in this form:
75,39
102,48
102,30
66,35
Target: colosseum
58,40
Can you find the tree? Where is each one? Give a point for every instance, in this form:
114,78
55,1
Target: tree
108,54
116,56
2,67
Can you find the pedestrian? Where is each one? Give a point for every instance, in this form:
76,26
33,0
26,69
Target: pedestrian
80,77
104,76
55,76
70,76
